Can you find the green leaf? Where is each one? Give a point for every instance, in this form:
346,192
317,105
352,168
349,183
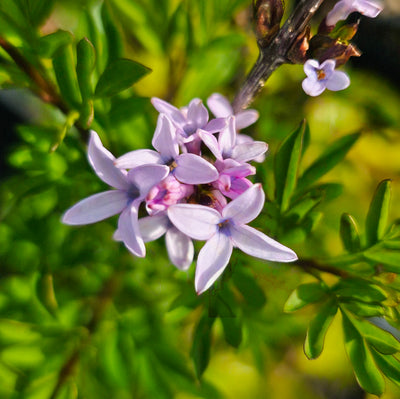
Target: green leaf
48,44
36,11
349,233
389,365
201,346
115,45
317,329
362,309
359,289
286,165
119,75
230,322
303,295
45,293
365,369
330,158
64,68
378,213
85,63
389,258
249,288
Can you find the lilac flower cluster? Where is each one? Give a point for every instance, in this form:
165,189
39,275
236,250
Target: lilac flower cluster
324,76
194,185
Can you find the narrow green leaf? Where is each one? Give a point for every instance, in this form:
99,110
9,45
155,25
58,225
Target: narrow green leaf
72,117
201,346
119,75
304,205
377,217
362,309
389,365
389,258
330,158
249,288
303,295
48,44
64,68
365,369
286,166
115,45
349,233
359,289
232,330
317,329
37,11
85,63
45,293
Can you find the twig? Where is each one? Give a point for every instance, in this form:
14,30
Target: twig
44,89
307,264
276,53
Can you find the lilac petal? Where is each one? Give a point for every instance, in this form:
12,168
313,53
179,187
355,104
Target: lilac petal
180,248
239,170
196,221
212,261
246,207
339,12
102,161
227,138
145,177
215,125
246,118
128,230
166,108
248,151
338,81
138,157
211,142
244,138
96,207
219,105
368,8
164,139
153,227
257,244
328,66
193,169
238,187
197,113
313,87
310,67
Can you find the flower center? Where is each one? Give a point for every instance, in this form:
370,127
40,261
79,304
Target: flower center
321,74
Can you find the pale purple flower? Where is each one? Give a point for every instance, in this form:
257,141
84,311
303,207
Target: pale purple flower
221,108
187,168
324,76
131,189
226,230
344,8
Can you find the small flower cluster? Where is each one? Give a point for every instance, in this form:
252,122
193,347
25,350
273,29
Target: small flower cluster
330,48
194,185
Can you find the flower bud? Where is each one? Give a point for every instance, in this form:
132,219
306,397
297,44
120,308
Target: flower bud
297,54
267,16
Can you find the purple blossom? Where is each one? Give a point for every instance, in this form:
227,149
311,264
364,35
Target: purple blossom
226,230
344,8
131,189
324,76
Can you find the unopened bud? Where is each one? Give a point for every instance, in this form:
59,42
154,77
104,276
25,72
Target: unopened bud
297,54
267,16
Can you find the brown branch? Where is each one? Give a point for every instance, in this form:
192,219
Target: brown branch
43,88
311,264
103,299
276,53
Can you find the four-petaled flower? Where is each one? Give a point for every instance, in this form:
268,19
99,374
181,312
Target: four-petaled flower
226,230
324,76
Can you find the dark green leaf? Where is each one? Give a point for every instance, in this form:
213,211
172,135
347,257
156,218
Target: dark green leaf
201,346
115,45
378,213
45,293
231,322
304,205
119,75
330,158
389,365
36,11
249,288
389,258
85,63
349,233
303,295
363,309
359,289
64,68
286,166
314,342
365,369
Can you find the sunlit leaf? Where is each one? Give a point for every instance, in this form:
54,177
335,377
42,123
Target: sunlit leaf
303,295
389,365
349,233
390,259
359,289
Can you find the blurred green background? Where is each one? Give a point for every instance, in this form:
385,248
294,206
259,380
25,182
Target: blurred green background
79,316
